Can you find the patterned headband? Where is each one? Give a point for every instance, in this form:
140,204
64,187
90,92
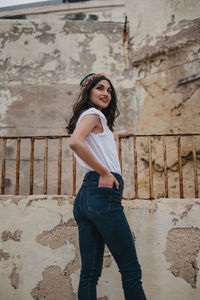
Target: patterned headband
88,79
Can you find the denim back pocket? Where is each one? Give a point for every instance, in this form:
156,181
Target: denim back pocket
103,199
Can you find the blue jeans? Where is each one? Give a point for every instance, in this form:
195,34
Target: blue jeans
100,218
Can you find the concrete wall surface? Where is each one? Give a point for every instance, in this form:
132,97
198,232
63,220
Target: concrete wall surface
151,20
38,89
44,53
39,254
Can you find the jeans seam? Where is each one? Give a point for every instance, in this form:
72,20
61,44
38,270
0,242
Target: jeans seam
93,264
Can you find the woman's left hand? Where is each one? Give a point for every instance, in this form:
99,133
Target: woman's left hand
123,133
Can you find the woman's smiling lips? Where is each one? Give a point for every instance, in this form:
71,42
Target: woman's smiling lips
104,100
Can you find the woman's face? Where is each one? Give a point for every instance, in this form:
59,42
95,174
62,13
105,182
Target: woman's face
100,94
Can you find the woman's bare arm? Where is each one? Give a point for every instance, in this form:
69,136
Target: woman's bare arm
77,144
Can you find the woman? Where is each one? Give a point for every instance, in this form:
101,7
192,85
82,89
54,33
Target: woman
97,207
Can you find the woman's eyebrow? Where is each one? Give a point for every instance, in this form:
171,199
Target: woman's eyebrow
99,84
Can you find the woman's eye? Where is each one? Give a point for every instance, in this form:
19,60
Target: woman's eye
101,88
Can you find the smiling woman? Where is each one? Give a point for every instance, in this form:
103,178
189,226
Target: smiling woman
85,102
97,207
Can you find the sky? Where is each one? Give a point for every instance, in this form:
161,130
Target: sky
6,3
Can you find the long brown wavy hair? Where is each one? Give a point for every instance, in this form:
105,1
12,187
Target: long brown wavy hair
83,102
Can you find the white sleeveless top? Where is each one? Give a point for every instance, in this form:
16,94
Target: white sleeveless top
102,145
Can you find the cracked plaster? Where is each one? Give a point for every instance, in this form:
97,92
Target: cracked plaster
54,62
51,241
182,249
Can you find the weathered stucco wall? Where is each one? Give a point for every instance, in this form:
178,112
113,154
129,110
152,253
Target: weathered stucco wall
38,89
164,46
44,81
43,57
150,99
151,20
39,254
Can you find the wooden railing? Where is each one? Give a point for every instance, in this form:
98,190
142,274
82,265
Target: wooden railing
135,138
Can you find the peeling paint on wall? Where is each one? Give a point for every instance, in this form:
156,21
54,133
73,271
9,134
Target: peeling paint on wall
186,211
175,37
63,50
182,248
6,100
56,237
15,278
4,255
107,261
55,285
49,249
7,235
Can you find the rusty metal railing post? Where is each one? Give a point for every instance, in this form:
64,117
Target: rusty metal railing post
3,167
17,166
180,167
45,165
135,167
59,165
120,153
150,168
196,184
165,166
32,165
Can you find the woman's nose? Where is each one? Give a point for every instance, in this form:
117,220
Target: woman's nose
105,92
